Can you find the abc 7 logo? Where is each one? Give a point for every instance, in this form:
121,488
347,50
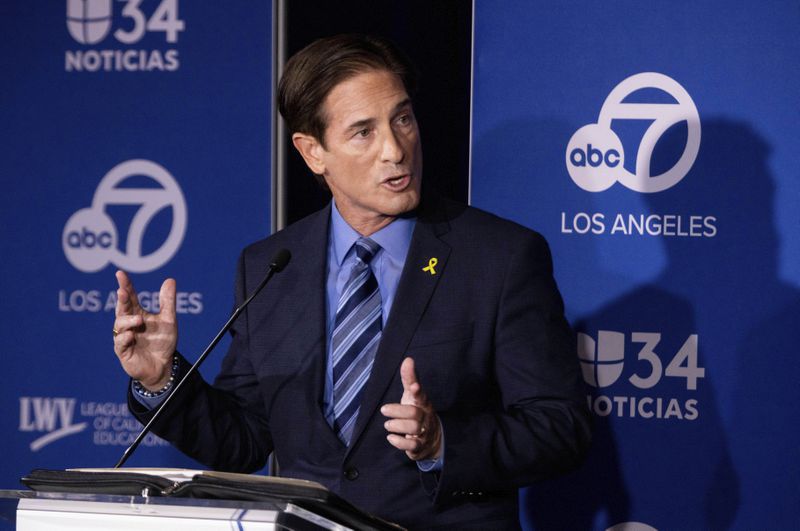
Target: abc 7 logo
90,237
595,157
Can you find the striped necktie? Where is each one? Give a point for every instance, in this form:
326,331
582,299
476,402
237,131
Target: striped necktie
356,334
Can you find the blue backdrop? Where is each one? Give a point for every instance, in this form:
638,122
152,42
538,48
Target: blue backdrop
136,136
654,145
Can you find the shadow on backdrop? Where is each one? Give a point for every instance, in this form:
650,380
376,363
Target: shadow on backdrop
756,318
733,465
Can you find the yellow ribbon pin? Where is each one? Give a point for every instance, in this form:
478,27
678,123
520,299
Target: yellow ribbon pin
431,263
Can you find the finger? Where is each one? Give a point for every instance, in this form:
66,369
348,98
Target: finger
127,322
123,341
401,411
409,376
166,299
409,445
404,427
412,389
127,301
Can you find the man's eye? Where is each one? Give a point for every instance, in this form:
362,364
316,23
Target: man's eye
363,133
404,119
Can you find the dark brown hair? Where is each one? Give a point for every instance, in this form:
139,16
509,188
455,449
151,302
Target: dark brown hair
314,71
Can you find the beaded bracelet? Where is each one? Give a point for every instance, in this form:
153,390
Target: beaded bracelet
139,388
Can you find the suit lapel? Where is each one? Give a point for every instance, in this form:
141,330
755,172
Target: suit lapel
311,256
413,293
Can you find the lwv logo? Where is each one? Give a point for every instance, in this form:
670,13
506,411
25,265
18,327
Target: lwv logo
53,416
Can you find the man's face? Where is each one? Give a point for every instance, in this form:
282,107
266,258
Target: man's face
372,159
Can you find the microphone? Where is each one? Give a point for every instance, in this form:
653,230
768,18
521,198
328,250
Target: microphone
276,265
280,260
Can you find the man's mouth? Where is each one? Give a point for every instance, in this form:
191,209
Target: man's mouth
397,183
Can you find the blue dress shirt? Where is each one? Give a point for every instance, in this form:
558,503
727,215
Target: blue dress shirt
387,265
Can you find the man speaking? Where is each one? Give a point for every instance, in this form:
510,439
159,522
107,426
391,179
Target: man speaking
413,357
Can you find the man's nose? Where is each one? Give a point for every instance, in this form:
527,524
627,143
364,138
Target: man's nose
392,150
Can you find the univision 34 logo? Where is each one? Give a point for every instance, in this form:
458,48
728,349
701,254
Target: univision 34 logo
603,362
90,21
595,156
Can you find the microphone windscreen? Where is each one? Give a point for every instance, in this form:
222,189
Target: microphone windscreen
280,260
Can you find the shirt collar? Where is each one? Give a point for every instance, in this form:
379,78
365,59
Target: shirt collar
394,238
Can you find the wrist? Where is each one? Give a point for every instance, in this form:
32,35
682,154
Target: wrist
160,386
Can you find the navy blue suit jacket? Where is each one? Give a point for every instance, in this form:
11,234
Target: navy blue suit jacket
492,349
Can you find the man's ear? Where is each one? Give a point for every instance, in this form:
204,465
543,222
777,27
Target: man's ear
311,150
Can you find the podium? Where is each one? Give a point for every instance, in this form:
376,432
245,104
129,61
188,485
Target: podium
199,500
40,511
